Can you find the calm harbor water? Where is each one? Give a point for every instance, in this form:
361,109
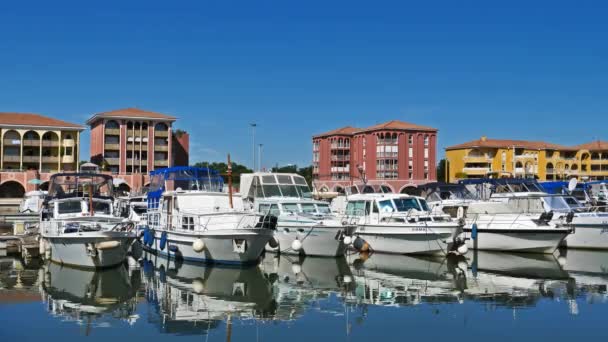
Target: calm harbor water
495,296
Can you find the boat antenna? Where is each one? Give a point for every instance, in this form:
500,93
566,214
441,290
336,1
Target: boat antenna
230,181
91,209
209,177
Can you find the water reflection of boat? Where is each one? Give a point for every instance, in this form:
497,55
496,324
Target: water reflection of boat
85,295
398,280
302,283
589,268
193,298
515,279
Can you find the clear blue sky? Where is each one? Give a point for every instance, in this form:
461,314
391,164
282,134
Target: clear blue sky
297,68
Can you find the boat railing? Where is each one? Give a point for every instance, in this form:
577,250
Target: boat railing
202,222
76,226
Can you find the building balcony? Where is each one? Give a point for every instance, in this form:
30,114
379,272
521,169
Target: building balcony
67,159
50,143
551,171
68,143
391,155
161,148
11,142
31,159
599,161
161,133
112,161
112,131
11,158
50,159
136,161
31,142
340,169
339,147
526,156
340,158
477,159
112,146
476,170
161,163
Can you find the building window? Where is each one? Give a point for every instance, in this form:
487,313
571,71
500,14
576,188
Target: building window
410,139
426,140
426,152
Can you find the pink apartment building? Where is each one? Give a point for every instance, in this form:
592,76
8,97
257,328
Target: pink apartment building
394,155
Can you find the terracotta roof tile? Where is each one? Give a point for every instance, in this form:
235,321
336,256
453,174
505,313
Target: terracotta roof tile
504,143
390,125
348,130
131,113
593,146
37,120
396,124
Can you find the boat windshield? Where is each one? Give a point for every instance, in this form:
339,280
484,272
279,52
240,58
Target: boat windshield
561,203
323,209
403,204
438,195
283,186
80,185
186,178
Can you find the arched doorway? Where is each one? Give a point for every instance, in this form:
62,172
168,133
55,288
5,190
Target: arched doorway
386,189
410,190
11,189
123,188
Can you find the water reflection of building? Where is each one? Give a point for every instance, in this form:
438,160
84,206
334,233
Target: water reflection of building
89,297
18,281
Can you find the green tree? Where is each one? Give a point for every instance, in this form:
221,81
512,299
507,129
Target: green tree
222,168
441,167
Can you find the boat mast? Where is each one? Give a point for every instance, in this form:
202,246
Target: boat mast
230,181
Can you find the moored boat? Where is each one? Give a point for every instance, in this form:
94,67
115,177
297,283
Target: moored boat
304,226
403,224
77,224
191,218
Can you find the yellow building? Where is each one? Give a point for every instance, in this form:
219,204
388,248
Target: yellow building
520,158
36,142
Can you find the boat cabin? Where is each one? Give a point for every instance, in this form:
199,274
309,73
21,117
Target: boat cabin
74,195
285,207
392,208
273,185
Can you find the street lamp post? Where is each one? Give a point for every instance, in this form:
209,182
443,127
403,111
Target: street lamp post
253,126
260,155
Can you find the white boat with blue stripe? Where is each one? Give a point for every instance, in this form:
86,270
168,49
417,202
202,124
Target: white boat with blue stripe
190,217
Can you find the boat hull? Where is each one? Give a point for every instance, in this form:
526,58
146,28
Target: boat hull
316,240
219,246
517,240
79,249
407,240
591,235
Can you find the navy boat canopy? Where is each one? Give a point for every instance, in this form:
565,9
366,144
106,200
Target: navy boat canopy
185,178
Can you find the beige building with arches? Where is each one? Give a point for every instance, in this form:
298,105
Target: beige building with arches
35,146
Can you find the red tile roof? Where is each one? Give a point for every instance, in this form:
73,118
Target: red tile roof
504,143
131,113
390,125
34,120
593,146
348,130
399,125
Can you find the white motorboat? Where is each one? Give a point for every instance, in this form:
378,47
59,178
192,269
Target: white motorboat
191,218
32,201
133,208
495,225
304,226
589,224
77,224
402,224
